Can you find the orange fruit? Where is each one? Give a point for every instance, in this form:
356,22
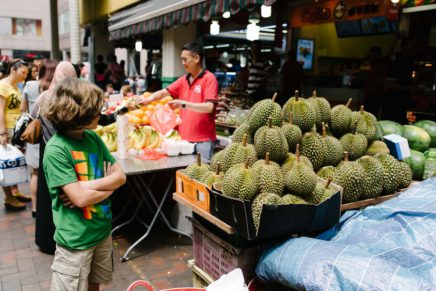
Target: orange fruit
146,94
134,119
138,112
166,99
145,120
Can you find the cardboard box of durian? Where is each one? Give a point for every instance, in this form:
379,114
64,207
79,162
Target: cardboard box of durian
276,221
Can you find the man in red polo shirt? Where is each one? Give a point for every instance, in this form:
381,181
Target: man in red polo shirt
196,95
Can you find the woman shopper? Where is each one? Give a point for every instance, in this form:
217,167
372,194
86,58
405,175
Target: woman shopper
31,92
10,100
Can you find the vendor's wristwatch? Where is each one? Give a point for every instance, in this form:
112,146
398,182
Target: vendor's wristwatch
183,104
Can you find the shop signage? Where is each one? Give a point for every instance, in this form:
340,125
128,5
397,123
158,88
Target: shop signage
331,11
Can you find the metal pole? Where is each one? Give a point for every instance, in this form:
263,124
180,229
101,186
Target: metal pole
55,52
74,31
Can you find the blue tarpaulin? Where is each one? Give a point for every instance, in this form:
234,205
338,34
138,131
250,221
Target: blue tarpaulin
390,246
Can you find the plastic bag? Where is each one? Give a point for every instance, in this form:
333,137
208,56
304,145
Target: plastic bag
164,119
151,155
13,167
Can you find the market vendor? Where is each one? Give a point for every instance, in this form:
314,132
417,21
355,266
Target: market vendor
196,94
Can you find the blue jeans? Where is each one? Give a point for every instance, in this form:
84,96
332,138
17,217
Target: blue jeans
205,149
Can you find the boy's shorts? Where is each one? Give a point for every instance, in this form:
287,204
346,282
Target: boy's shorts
73,269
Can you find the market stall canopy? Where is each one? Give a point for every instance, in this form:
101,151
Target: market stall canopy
159,14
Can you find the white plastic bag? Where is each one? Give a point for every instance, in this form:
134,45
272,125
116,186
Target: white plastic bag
13,167
233,281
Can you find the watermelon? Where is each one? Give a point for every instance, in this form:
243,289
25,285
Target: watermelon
385,127
418,138
430,127
416,161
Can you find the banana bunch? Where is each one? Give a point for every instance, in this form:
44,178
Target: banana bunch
110,140
144,137
100,130
108,135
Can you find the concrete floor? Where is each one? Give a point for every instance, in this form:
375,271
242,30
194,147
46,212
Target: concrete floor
161,259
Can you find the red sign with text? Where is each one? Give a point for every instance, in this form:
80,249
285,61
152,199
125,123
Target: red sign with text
332,11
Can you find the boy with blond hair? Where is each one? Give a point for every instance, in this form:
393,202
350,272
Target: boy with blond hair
81,175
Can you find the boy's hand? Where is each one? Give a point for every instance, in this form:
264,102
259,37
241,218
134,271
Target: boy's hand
67,201
108,169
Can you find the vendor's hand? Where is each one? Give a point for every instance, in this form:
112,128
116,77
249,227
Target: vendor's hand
176,104
67,201
4,138
141,100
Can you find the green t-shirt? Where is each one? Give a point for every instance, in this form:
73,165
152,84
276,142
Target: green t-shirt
66,161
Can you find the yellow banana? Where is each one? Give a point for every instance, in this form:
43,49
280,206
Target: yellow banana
113,145
142,140
138,140
131,140
111,127
99,130
105,139
155,142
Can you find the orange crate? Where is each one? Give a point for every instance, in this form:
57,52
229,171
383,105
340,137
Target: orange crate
193,191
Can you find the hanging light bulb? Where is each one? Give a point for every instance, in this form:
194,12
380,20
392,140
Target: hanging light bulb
138,45
226,14
253,31
265,11
214,27
395,2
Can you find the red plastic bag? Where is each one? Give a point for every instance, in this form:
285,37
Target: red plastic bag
151,155
164,119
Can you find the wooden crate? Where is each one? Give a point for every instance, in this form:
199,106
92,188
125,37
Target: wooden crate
200,278
193,191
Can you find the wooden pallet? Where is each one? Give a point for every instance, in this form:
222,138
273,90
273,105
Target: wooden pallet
373,201
367,202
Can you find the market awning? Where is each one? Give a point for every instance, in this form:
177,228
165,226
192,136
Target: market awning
159,14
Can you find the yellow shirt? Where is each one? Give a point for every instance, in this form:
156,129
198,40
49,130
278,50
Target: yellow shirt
13,101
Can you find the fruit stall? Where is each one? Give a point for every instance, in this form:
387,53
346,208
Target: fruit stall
295,172
148,148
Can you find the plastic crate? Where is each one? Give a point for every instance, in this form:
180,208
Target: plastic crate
218,257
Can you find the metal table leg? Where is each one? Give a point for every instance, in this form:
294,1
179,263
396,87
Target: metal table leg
158,212
162,214
124,208
141,200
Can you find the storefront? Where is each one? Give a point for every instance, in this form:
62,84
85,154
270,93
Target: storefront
179,22
333,39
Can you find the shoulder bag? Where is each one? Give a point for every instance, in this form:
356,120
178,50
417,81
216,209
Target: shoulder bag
32,132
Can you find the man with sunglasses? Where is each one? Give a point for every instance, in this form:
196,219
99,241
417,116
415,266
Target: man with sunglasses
10,100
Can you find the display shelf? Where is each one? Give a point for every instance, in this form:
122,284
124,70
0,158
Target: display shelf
212,219
373,201
367,202
220,123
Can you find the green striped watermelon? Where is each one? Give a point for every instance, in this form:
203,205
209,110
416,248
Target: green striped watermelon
385,127
416,161
430,127
417,137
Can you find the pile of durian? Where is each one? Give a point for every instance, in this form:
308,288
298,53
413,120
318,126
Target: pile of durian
277,155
